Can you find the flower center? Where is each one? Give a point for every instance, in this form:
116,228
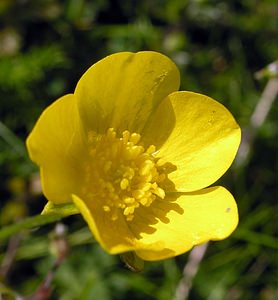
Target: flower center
122,174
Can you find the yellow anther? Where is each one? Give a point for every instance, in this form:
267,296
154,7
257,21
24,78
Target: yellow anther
137,194
149,177
148,194
124,184
159,192
144,201
128,210
122,174
135,138
160,163
129,200
146,168
126,135
154,185
151,149
111,134
145,186
129,173
133,152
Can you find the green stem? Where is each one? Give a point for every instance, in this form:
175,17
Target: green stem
50,214
28,223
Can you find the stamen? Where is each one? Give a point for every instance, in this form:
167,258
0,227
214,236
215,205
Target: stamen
124,184
122,175
160,193
135,138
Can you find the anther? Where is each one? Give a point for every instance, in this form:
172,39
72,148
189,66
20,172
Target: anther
151,149
146,168
135,138
159,192
122,175
124,184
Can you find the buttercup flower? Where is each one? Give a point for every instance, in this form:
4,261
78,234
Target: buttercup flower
136,157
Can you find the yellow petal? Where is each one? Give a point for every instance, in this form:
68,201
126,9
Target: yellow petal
113,235
191,219
161,124
203,143
122,90
55,144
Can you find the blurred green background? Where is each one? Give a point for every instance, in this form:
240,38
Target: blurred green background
219,46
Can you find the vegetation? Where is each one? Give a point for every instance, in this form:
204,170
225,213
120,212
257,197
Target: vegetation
223,49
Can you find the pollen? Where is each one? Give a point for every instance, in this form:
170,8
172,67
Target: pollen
121,175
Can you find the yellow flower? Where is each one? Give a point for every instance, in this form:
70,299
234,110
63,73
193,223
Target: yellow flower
136,157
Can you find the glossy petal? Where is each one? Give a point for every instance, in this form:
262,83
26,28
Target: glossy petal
160,126
56,145
122,90
114,236
203,143
169,227
191,219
